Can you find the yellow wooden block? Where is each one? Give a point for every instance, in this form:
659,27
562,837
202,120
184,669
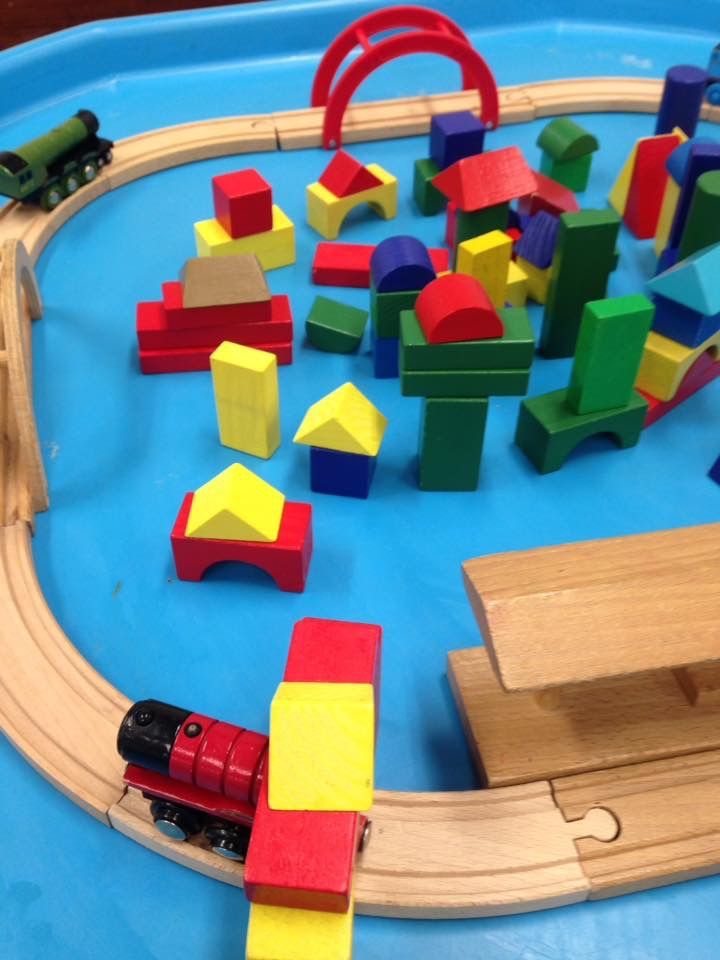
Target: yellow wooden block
273,248
517,285
236,505
326,212
538,280
245,375
621,187
344,420
667,215
243,428
487,258
322,746
665,363
282,933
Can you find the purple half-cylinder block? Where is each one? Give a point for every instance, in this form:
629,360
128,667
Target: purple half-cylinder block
682,97
537,244
703,157
454,136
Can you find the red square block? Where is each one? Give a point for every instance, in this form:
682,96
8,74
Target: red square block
243,203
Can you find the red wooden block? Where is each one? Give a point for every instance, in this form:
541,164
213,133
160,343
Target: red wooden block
451,224
514,235
705,369
647,185
287,560
345,175
348,264
191,359
548,195
301,858
243,203
456,307
154,332
486,179
180,317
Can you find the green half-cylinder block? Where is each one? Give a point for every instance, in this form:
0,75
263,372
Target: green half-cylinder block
564,139
335,327
584,259
547,432
573,174
428,198
469,225
464,383
385,310
702,227
609,350
514,350
451,442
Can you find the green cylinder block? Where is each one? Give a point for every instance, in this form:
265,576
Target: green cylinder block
702,227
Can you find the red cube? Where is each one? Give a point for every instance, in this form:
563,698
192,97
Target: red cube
243,203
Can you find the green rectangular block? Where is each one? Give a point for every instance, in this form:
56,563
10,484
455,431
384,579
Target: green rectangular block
573,174
464,383
609,351
428,198
451,442
469,225
385,310
334,326
514,350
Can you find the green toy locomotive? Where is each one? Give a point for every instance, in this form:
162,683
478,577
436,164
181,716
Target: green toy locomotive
51,167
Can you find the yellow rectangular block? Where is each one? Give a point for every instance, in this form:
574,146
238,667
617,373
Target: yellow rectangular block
282,933
247,399
665,363
236,505
247,429
538,280
322,747
517,285
487,258
667,215
326,212
273,248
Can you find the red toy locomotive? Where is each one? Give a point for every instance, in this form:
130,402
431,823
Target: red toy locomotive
201,775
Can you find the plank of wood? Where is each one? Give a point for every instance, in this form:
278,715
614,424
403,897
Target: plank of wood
669,814
602,608
516,739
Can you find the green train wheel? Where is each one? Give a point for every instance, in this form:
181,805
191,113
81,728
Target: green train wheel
52,196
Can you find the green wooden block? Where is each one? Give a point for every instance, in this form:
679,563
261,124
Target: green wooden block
547,432
512,351
469,225
385,310
702,227
564,139
428,198
609,350
584,259
464,383
572,173
451,442
335,327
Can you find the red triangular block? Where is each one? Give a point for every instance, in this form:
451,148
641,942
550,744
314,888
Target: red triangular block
345,175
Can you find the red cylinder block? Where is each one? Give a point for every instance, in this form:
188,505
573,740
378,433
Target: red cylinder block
456,307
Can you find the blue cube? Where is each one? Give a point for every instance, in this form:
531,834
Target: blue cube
342,474
454,136
680,323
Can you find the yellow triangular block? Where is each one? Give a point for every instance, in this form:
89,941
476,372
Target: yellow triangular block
236,505
621,187
344,420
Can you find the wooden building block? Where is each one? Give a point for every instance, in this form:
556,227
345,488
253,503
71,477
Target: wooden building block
345,175
209,282
456,307
326,212
322,746
666,362
400,263
647,185
243,203
348,264
281,933
273,248
703,371
344,420
702,227
341,474
621,188
454,136
538,281
246,429
487,180
428,198
516,290
667,215
386,308
452,433
245,376
464,383
186,359
487,259
335,327
236,505
573,174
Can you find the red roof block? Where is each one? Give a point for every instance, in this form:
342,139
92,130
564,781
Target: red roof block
486,179
548,195
456,307
243,203
345,175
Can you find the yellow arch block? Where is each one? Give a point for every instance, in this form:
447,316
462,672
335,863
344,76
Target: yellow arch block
344,420
236,505
273,248
326,212
282,933
516,292
487,258
665,363
538,280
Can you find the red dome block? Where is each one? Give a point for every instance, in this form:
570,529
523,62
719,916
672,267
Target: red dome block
345,175
243,203
456,307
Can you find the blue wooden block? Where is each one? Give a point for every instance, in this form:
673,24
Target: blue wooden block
401,263
342,474
454,136
537,244
668,258
680,323
677,163
715,471
682,98
703,157
386,353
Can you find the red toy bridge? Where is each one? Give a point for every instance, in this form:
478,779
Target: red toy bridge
429,32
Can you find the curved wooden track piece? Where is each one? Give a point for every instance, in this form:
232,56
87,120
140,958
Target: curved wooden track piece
431,855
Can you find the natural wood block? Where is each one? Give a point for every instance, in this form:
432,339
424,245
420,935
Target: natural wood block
214,281
700,683
602,608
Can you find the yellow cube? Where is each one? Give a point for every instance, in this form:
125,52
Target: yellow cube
273,248
283,933
487,258
236,505
322,747
326,212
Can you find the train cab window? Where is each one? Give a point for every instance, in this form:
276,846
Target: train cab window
24,177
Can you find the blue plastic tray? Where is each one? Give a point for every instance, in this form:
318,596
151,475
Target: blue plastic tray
121,450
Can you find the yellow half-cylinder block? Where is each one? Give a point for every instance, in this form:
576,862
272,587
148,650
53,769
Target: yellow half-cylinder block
236,505
273,248
667,215
516,292
283,933
538,280
322,747
326,212
487,258
665,363
344,420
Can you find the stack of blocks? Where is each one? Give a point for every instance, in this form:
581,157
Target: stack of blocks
247,402
237,516
535,250
216,300
348,264
600,398
456,351
309,822
689,217
567,150
400,268
246,221
453,136
344,431
344,185
639,190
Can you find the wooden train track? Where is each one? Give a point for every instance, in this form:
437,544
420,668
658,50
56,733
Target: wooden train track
475,853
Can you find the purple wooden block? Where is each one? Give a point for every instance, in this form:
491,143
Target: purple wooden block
677,163
715,471
386,356
339,473
682,99
668,258
401,263
537,244
703,157
454,136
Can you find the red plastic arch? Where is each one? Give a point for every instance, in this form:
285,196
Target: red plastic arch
432,32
